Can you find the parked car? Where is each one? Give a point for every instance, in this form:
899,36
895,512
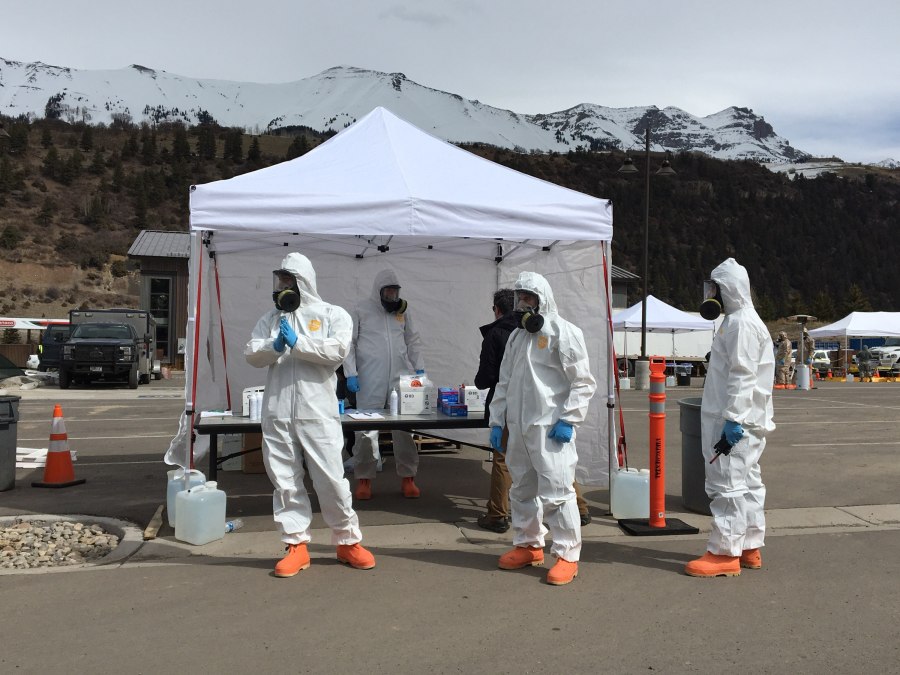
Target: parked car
820,360
50,349
888,354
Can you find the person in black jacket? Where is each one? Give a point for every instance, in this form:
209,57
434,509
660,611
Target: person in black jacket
493,346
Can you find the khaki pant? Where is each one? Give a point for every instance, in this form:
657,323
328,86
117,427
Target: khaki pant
498,501
784,375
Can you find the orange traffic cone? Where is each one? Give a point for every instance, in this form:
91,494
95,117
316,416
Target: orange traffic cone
58,471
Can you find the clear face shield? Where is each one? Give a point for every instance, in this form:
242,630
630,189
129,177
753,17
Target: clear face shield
391,300
285,293
527,308
712,304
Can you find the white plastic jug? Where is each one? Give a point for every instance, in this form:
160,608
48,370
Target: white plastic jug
200,514
630,494
176,485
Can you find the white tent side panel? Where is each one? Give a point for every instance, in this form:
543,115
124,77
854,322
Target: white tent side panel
450,296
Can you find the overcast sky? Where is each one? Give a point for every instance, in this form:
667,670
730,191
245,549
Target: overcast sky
824,73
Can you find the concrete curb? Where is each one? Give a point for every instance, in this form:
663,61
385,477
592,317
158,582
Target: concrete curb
130,540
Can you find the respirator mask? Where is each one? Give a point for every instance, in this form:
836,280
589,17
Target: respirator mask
712,304
527,315
285,292
391,301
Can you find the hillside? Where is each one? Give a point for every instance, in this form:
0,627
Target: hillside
73,197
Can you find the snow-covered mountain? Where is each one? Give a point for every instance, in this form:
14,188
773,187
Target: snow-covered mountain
338,96
888,164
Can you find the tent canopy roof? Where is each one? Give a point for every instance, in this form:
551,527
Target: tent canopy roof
862,324
661,317
382,182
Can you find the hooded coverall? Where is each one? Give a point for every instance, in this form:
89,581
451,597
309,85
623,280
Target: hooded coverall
739,389
300,411
384,346
544,377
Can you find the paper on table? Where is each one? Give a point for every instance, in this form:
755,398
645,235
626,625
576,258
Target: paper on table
360,415
215,413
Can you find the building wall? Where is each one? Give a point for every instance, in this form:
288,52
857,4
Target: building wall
175,270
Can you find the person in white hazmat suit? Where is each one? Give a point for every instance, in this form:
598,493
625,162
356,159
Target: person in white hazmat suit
736,411
302,342
385,345
543,394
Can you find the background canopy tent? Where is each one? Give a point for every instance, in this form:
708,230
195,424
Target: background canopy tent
861,324
663,318
384,194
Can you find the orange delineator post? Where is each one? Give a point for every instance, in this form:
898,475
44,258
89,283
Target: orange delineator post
657,441
58,471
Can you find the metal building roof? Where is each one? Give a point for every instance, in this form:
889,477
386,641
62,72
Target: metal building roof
161,244
620,274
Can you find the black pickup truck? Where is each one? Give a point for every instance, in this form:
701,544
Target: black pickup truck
94,351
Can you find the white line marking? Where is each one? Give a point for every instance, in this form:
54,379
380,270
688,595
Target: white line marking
824,445
103,438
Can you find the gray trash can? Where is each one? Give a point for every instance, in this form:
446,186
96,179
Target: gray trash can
683,374
9,419
693,466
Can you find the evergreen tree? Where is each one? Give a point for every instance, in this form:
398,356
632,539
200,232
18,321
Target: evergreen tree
181,149
87,138
254,156
47,212
46,137
855,301
98,166
148,145
206,142
298,147
11,237
51,167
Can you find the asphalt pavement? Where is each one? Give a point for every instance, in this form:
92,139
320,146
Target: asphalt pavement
826,599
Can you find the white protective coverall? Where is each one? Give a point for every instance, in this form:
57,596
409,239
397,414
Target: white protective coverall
544,377
385,345
300,411
738,388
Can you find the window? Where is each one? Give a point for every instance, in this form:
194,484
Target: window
160,306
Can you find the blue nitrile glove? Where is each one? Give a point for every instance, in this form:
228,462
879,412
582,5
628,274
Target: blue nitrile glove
780,362
561,431
353,383
290,337
733,432
808,361
497,439
420,371
278,345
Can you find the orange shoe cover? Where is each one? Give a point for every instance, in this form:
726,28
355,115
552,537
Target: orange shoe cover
711,565
297,559
521,556
751,559
562,572
363,489
779,386
408,486
355,556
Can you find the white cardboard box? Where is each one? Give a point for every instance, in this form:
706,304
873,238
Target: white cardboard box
416,400
473,398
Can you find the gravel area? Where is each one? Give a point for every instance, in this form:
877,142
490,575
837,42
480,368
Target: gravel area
58,543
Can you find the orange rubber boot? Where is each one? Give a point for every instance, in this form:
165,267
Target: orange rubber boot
751,559
363,489
297,559
408,486
521,556
711,565
355,556
562,572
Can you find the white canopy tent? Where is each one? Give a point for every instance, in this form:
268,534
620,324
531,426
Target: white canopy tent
382,193
861,324
663,318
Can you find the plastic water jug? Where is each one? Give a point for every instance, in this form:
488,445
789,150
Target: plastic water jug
200,514
176,485
631,494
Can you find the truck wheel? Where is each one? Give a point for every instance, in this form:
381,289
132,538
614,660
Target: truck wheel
145,378
157,376
63,379
133,379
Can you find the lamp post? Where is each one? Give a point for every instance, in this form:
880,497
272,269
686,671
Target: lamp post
642,367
